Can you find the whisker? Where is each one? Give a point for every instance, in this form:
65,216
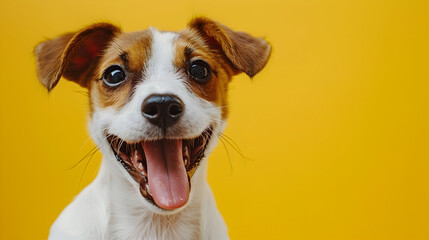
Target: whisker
239,135
90,153
229,157
220,107
84,170
234,145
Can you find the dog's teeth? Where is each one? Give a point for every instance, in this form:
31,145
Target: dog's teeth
186,151
148,189
140,166
186,155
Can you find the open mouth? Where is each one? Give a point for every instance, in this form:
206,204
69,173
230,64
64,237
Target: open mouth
163,168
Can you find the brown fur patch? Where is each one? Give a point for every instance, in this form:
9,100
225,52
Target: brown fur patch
227,52
130,51
73,55
191,47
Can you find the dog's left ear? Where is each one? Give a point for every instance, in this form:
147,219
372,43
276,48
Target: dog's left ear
73,55
246,53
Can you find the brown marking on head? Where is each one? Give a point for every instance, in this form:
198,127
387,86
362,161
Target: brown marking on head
190,47
226,51
73,55
130,51
83,57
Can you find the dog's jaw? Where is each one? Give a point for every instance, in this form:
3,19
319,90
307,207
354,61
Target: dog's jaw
165,166
127,186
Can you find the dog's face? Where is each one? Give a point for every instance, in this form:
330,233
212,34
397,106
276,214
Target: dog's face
157,99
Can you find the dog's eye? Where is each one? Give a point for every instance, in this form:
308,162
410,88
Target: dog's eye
113,76
200,71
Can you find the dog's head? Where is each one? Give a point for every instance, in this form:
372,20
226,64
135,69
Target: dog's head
157,99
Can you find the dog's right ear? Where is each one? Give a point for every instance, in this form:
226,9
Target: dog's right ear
73,55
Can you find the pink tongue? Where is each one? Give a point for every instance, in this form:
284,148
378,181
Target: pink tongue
168,180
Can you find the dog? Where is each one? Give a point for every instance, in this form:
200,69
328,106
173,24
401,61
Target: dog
158,101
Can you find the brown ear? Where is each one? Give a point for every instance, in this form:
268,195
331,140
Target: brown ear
72,55
246,53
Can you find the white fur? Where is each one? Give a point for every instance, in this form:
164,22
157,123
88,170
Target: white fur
111,207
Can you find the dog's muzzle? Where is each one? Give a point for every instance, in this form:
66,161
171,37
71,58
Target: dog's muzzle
162,167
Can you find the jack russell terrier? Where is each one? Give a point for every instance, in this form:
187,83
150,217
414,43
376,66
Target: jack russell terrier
158,101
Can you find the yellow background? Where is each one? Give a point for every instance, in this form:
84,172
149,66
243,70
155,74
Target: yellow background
335,129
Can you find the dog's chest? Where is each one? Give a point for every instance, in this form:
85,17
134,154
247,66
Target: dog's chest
148,226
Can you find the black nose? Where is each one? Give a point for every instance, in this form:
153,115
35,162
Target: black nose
162,110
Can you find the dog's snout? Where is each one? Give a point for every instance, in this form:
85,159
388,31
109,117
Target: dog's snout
162,110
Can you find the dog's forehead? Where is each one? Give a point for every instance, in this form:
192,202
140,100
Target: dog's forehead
130,49
162,52
136,49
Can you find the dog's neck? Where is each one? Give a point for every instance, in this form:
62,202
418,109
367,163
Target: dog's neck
134,219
